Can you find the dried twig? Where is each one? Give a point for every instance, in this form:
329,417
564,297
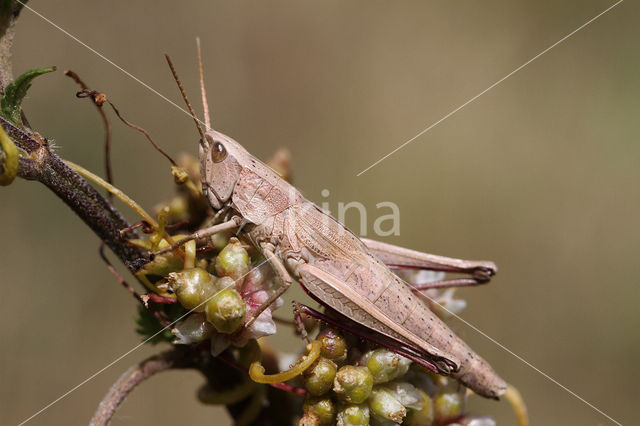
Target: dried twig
134,376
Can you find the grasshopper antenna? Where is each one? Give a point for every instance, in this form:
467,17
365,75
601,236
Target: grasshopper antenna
203,91
203,140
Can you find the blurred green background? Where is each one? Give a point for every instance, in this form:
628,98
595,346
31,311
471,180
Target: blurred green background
540,174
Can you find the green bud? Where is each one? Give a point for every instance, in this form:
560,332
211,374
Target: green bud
323,409
424,416
220,240
353,384
385,365
233,261
319,378
192,287
448,405
385,406
224,283
226,310
178,209
353,415
334,347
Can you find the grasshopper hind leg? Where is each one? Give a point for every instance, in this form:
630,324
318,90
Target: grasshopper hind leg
344,324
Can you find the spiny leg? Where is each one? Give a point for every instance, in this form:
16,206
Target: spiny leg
440,284
299,321
146,228
343,323
402,258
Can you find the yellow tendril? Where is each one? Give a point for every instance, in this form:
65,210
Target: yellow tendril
181,177
256,370
144,280
517,403
10,166
157,237
115,191
190,255
121,196
251,352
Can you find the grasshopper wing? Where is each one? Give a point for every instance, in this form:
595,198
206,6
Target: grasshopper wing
342,297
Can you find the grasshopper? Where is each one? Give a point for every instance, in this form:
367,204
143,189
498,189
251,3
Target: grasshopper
350,275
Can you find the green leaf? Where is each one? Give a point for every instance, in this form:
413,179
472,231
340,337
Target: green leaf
15,93
151,329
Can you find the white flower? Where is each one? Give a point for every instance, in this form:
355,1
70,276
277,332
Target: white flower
194,329
255,290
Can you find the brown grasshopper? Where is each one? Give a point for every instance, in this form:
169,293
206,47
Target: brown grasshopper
345,273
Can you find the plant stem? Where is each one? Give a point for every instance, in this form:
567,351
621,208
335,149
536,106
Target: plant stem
38,162
133,377
44,165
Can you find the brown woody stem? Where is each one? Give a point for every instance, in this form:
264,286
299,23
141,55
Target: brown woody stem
132,378
38,162
43,165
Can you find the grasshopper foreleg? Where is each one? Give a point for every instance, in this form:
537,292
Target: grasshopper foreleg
232,223
281,273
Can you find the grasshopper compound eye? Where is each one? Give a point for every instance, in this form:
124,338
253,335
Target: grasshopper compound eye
218,152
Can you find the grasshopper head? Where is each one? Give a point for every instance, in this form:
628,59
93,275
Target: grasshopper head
220,166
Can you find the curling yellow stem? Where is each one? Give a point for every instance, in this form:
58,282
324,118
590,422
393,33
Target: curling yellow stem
190,255
115,191
10,166
515,399
256,370
181,177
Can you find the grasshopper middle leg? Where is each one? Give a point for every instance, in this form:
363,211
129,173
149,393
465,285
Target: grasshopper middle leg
281,273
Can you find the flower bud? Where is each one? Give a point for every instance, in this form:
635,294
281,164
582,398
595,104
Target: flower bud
353,384
384,405
353,415
406,393
477,421
319,378
226,310
448,405
194,329
323,409
233,261
334,347
192,287
385,365
220,240
423,416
